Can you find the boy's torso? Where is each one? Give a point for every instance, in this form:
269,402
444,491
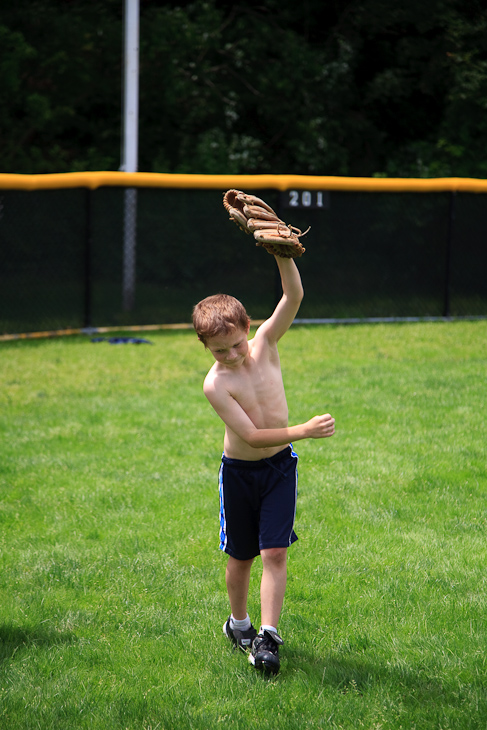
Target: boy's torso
257,387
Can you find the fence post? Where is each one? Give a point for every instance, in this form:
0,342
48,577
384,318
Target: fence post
129,248
130,145
88,288
449,246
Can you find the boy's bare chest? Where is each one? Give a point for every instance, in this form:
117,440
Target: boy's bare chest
257,384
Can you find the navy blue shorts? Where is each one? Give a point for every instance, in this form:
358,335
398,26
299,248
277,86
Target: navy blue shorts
258,504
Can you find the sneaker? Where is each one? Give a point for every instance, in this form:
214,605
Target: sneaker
240,639
265,651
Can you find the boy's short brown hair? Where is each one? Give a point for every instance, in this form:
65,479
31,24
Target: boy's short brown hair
219,314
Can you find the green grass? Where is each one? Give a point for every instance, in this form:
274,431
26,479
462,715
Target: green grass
112,589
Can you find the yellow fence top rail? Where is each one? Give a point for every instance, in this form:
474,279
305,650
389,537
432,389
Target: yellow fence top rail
93,180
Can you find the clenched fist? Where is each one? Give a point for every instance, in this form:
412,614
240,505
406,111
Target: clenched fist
321,427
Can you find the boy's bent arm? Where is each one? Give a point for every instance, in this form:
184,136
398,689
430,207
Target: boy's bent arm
316,428
235,418
292,295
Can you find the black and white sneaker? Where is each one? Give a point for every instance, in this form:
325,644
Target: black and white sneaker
265,651
240,639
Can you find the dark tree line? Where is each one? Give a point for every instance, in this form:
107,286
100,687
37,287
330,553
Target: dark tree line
325,87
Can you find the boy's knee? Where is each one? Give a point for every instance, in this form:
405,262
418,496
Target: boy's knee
238,566
275,556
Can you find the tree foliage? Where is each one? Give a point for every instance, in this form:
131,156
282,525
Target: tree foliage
326,87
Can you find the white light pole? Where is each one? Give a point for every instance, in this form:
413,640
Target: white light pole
130,145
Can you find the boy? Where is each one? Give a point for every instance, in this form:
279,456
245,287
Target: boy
258,473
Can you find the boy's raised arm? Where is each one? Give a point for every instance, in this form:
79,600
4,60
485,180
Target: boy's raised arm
292,295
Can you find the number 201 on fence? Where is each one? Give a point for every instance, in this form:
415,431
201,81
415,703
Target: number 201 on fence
306,199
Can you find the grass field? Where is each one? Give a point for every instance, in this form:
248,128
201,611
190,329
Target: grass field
112,592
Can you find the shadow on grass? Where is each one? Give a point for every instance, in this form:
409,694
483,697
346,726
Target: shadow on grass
417,686
13,638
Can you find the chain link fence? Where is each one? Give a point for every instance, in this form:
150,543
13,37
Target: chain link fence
110,256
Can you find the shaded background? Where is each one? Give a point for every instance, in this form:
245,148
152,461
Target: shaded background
342,87
325,87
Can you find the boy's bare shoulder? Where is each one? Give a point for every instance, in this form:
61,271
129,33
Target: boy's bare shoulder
215,380
211,377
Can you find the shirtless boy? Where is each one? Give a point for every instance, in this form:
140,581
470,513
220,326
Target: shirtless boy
258,473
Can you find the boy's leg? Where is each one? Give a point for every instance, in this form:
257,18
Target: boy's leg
273,584
265,647
238,627
237,577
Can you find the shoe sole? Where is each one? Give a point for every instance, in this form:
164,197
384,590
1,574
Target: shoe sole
227,636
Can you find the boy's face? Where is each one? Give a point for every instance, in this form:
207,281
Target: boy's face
229,350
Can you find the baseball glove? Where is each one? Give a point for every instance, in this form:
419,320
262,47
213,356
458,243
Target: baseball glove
254,216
